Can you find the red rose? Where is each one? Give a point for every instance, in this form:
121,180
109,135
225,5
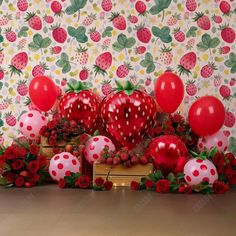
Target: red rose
134,185
219,159
99,181
149,184
228,169
34,149
83,138
11,153
177,118
232,160
10,177
62,183
185,188
19,182
83,181
34,178
108,185
42,160
22,152
220,187
33,166
232,177
52,141
162,186
17,164
52,124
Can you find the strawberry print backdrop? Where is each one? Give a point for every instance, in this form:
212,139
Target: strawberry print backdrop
102,41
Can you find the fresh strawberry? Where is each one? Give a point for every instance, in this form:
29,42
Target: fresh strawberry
5,104
5,19
18,63
106,5
95,36
143,33
2,73
179,35
191,5
39,69
217,80
141,7
127,114
187,63
1,56
123,70
81,55
89,19
229,119
34,21
207,70
103,63
82,105
106,87
56,49
59,34
63,82
118,21
10,35
225,91
10,119
140,50
203,21
148,81
225,7
217,19
166,55
56,8
133,19
173,19
227,33
22,5
191,88
84,73
232,81
224,50
22,88
48,19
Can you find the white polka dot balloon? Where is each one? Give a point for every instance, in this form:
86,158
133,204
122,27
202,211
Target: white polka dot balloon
30,124
218,140
95,145
197,171
62,165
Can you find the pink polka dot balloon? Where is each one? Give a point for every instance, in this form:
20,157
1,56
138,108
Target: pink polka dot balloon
63,164
218,140
30,124
197,171
95,145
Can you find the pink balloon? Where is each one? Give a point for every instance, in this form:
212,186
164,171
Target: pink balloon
218,140
197,171
95,145
30,124
62,165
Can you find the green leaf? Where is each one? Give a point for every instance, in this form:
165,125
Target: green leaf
166,38
60,63
33,47
1,38
206,38
23,32
46,42
1,2
82,38
64,57
149,57
151,67
156,31
130,42
233,69
66,68
144,63
159,6
37,39
202,47
1,84
171,177
1,123
72,31
122,39
214,43
229,63
232,56
117,47
191,32
107,32
174,187
70,10
3,181
165,30
79,3
180,176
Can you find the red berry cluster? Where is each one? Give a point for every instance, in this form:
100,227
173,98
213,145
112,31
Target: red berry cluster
123,156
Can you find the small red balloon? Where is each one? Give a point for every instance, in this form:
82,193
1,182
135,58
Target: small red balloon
206,115
169,91
43,92
169,153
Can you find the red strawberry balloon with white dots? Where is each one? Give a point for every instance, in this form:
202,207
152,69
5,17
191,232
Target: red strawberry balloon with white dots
30,124
127,114
63,164
198,170
82,105
95,145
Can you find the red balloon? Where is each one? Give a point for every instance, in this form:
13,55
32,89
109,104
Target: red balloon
43,92
206,115
169,91
169,153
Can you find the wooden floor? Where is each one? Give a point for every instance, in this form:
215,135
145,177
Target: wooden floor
50,211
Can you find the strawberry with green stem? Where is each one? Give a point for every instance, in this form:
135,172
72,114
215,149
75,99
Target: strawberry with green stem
103,63
207,70
10,119
22,88
227,33
202,20
18,63
82,55
34,21
118,21
166,55
106,87
123,70
40,69
57,8
187,63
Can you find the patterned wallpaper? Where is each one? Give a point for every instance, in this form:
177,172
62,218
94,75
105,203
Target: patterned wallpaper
63,39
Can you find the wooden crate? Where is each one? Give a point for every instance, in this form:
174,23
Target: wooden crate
121,175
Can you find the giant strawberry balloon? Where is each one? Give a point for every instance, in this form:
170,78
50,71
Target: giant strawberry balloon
169,153
82,105
127,114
